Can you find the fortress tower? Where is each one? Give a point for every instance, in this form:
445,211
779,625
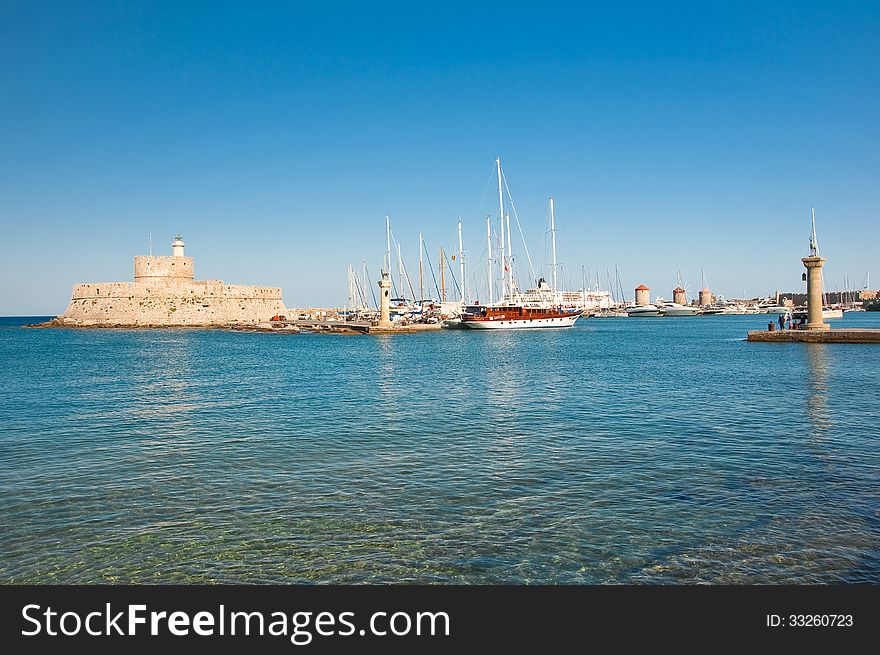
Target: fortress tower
165,270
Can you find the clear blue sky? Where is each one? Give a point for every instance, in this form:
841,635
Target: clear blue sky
275,138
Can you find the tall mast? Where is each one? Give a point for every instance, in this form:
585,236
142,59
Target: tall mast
400,273
553,240
501,260
584,287
364,281
461,266
489,246
509,264
421,287
501,219
387,244
442,277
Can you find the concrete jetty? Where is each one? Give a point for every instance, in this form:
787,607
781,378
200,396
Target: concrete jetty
851,335
355,327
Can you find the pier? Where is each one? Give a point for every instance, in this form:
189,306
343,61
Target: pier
349,327
851,335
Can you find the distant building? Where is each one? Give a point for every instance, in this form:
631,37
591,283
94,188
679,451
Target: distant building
679,296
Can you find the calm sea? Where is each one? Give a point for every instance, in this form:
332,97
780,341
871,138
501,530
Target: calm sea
621,451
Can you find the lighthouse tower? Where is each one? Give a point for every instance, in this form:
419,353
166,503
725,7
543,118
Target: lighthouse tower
384,301
814,264
177,247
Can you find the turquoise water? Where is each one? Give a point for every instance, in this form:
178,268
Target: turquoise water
620,451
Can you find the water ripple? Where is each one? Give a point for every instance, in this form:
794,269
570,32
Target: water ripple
621,451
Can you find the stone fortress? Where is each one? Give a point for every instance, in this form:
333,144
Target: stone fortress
164,294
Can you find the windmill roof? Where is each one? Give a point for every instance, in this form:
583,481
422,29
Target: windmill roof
677,290
642,287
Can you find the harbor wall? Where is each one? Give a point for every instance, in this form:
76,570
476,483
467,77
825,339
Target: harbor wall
833,297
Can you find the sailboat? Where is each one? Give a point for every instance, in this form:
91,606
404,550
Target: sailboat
537,308
616,310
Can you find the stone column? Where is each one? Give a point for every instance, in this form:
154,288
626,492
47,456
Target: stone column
814,293
385,301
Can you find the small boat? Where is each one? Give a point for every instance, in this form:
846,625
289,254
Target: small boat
676,309
609,313
774,309
643,310
827,312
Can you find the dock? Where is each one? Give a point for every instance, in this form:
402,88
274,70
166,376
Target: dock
850,335
352,327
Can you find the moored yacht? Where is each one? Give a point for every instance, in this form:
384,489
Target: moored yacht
643,310
676,309
541,307
511,316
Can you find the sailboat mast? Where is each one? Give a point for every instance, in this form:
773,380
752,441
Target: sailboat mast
461,266
501,219
619,285
509,264
421,287
364,281
584,283
553,240
442,277
400,272
387,244
489,246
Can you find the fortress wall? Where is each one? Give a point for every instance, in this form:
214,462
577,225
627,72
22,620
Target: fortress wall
160,269
173,289
199,303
